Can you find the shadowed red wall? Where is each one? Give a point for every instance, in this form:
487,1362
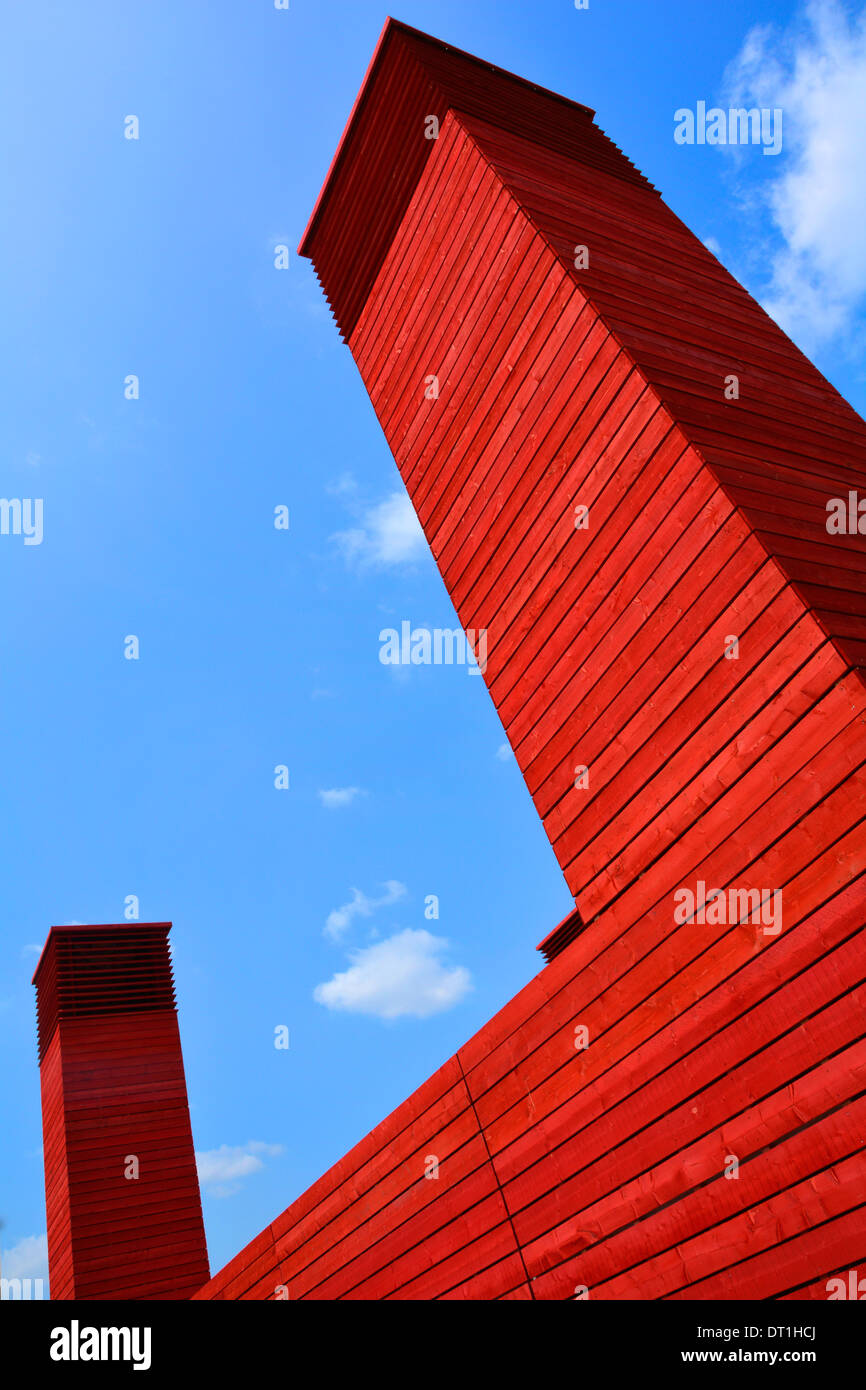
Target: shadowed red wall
113,1091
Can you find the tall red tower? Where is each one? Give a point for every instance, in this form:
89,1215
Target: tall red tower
623,468
121,1188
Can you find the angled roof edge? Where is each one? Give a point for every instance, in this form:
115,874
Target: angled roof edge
81,928
393,28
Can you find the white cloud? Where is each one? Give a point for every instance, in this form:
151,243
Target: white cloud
503,752
362,906
336,797
816,72
400,977
390,534
27,1260
219,1169
31,949
344,486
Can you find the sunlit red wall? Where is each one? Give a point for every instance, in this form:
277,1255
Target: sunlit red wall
670,1109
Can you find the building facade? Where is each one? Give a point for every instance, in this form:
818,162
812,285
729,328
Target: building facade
627,474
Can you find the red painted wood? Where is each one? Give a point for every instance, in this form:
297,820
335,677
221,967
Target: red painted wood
113,1086
604,387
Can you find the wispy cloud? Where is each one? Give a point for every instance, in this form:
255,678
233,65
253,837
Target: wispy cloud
219,1169
389,534
816,72
337,797
401,977
27,1260
361,906
344,486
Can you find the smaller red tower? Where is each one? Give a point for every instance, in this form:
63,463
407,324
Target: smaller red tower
121,1187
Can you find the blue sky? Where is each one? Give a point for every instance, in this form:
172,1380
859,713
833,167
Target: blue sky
259,647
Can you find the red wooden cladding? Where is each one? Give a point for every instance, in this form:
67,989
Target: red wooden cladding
607,647
113,1088
102,970
603,1189
788,444
674,1107
411,78
562,935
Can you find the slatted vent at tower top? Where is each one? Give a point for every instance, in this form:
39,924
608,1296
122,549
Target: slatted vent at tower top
102,970
377,168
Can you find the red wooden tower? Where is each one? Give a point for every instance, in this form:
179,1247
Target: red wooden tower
622,466
121,1188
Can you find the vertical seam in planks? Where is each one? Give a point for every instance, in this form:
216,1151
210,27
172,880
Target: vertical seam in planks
495,1176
